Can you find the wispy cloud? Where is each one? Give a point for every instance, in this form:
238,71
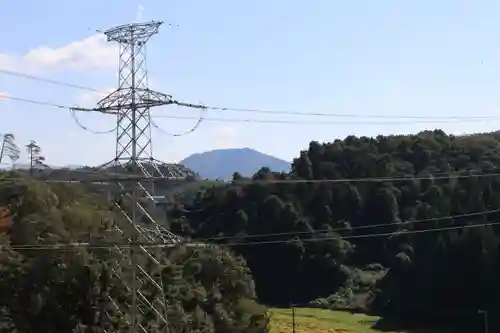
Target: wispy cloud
92,52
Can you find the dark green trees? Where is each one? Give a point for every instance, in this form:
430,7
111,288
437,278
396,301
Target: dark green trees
44,290
416,183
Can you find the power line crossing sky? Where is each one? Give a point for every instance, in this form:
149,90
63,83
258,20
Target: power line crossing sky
387,57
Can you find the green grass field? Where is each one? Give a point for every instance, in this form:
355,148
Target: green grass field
310,320
320,321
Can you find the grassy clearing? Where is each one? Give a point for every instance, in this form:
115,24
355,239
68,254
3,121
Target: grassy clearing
311,320
321,321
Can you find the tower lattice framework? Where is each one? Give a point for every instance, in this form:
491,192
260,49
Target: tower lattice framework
138,268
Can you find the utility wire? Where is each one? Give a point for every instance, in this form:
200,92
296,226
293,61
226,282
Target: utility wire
431,175
96,176
365,180
262,111
266,121
79,124
198,123
341,115
73,115
249,120
41,79
406,232
26,100
378,225
88,245
59,106
127,177
433,120
322,122
189,131
447,175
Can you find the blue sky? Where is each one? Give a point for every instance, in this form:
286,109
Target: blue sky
385,57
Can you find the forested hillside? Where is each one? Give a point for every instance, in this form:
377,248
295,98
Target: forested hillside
392,225
330,261
44,290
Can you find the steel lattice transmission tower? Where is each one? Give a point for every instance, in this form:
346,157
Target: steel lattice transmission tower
146,311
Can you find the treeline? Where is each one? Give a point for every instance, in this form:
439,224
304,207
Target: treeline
398,240
323,251
47,290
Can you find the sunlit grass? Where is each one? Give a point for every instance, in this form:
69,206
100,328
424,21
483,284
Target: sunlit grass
320,321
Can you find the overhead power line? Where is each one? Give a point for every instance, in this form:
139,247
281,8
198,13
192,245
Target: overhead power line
104,177
359,227
32,101
80,124
46,80
195,243
322,122
131,103
466,173
385,234
94,176
189,131
341,115
118,177
255,110
366,180
430,120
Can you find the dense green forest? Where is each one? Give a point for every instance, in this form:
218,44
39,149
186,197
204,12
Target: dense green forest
328,262
57,290
310,242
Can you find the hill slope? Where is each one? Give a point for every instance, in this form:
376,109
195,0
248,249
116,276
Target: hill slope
223,163
75,279
347,244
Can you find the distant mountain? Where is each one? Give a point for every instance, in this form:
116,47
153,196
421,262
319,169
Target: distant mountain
222,163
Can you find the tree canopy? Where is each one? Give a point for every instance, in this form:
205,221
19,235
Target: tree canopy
402,186
404,226
59,290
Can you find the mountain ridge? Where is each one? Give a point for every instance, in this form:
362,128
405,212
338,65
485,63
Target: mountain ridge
222,163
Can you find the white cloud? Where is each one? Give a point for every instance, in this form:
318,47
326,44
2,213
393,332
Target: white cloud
93,52
90,98
225,137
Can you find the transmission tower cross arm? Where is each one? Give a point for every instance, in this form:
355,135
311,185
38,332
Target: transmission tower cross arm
76,108
127,98
189,105
133,33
